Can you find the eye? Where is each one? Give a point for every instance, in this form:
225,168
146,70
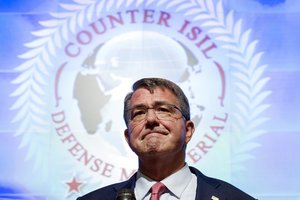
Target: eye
164,109
138,112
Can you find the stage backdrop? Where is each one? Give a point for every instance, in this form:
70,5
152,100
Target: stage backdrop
67,65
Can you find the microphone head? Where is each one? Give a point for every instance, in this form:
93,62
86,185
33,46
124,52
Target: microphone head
125,194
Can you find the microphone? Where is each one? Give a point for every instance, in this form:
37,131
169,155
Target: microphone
125,194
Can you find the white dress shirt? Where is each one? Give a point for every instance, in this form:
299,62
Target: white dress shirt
181,185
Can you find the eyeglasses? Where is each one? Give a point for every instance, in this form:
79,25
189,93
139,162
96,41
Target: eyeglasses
167,112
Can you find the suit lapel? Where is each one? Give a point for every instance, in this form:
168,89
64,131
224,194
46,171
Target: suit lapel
129,184
206,187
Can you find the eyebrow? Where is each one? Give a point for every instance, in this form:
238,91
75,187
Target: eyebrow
156,103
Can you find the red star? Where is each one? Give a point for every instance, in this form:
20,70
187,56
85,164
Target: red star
74,185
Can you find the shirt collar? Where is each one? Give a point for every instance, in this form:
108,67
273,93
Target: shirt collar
176,183
143,185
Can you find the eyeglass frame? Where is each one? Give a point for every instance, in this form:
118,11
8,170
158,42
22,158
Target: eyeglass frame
157,105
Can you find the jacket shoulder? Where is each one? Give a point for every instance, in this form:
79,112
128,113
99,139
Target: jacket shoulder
208,187
108,192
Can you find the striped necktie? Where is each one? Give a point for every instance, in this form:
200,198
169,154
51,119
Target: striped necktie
156,190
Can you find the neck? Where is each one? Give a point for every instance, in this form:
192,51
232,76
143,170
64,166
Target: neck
158,168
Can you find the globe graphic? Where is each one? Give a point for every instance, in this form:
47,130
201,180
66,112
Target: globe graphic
115,65
129,56
108,73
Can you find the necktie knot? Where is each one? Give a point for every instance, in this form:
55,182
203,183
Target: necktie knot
156,190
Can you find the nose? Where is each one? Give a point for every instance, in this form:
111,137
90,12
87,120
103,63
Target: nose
150,116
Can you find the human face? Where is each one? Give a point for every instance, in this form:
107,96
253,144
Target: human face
153,136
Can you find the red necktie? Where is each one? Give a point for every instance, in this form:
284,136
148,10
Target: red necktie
156,190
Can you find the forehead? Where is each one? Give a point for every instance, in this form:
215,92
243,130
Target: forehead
145,97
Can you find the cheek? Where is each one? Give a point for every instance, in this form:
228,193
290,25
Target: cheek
135,132
176,126
170,125
178,131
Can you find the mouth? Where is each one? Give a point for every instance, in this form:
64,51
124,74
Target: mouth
154,132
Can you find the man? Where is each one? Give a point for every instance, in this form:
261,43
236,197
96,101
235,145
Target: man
157,116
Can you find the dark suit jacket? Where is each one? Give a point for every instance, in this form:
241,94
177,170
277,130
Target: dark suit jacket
206,188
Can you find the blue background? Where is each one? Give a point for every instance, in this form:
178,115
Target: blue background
276,24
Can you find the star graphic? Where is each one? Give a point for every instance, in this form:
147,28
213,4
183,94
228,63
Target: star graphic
74,185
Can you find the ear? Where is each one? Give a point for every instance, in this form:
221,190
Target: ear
127,137
190,129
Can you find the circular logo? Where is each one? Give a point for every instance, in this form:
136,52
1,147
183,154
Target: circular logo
84,63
